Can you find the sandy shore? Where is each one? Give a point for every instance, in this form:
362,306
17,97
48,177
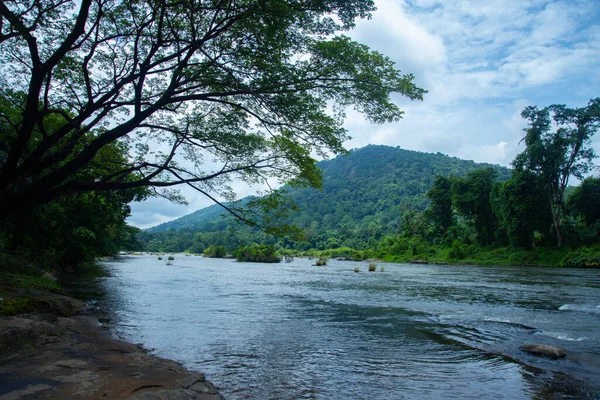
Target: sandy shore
45,356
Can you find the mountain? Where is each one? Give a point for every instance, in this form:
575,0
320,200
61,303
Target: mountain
364,196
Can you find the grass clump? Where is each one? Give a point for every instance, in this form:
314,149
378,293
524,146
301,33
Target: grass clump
159,257
30,282
20,305
170,258
372,267
584,257
356,269
321,262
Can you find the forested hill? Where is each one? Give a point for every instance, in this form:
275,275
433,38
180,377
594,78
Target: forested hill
364,194
375,182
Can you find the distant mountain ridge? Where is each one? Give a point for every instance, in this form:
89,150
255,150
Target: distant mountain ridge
367,190
195,221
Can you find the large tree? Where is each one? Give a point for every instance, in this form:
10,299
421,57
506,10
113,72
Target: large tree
519,204
471,198
199,91
439,212
558,147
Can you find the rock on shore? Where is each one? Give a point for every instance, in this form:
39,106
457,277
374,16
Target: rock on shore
50,357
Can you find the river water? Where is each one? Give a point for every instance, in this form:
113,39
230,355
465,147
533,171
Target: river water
297,331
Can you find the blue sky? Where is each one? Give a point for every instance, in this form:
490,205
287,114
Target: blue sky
482,61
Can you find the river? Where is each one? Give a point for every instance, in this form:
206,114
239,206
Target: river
297,331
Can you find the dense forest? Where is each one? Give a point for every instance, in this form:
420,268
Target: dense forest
369,194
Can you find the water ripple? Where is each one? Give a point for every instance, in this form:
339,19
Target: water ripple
294,331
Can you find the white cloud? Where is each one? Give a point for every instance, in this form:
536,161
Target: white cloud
392,32
495,154
485,58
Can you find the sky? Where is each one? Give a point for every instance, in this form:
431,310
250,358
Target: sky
482,62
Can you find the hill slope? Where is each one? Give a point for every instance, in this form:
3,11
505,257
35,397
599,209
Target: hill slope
364,197
202,219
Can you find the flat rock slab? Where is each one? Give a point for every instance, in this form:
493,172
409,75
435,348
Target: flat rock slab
544,350
82,361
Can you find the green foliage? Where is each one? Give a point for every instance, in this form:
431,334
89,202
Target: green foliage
458,251
471,197
21,305
583,257
585,200
356,215
345,253
170,258
556,155
30,282
73,228
215,252
521,207
372,267
439,213
257,253
70,230
321,262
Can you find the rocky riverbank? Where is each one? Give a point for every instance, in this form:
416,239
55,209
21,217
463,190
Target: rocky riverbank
61,353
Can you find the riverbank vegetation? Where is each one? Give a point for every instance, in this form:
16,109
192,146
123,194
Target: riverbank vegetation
257,253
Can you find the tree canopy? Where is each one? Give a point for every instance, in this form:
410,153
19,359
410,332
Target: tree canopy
75,227
196,92
585,200
558,147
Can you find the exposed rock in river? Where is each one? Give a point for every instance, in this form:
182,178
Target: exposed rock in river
544,350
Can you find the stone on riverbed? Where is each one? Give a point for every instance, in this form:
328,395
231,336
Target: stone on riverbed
544,350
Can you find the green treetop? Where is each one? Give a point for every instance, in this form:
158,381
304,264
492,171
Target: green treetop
558,147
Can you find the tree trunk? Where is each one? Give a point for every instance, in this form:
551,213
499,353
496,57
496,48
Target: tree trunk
555,218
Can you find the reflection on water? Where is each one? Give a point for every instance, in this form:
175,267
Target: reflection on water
294,331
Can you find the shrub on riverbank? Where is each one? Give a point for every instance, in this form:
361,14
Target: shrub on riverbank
257,253
472,254
584,257
321,262
215,252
